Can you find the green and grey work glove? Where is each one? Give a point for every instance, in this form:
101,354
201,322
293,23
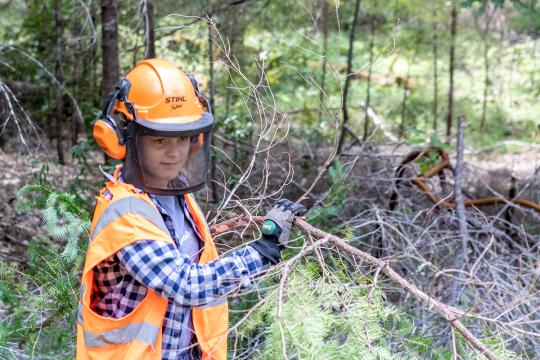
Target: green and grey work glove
276,229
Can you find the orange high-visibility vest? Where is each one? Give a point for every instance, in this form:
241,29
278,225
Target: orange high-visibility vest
131,216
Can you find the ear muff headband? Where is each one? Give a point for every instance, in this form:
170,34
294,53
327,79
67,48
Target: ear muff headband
108,135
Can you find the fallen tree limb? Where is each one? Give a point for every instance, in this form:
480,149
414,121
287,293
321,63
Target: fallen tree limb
449,313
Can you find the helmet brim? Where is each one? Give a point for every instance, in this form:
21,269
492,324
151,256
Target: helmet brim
178,127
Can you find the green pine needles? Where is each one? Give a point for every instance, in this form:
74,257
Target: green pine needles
62,214
39,300
328,316
321,320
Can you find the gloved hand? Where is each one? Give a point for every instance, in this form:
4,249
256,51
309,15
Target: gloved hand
276,229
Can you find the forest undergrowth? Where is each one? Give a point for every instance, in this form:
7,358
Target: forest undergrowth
332,303
376,269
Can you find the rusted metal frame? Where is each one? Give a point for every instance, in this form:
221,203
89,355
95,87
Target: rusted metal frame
421,184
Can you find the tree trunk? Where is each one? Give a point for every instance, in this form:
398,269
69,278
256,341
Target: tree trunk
406,95
486,87
368,90
486,65
460,262
325,57
58,73
211,85
534,58
401,133
510,85
453,31
109,47
229,97
51,120
348,77
94,60
77,74
149,33
211,82
435,71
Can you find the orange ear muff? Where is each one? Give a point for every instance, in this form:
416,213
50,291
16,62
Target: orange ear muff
196,145
108,139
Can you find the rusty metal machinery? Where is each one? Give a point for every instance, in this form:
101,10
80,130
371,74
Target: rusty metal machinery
421,182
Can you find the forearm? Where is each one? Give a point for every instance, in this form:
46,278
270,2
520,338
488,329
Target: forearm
162,268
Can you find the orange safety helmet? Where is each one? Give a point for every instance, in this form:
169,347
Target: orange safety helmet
160,101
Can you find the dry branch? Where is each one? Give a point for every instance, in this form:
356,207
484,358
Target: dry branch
449,313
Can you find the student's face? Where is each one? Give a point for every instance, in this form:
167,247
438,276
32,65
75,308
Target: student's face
163,158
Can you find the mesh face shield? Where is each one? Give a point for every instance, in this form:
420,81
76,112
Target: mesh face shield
168,159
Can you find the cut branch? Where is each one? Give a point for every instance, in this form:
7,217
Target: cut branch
449,313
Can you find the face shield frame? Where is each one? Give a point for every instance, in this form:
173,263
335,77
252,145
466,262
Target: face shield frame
192,176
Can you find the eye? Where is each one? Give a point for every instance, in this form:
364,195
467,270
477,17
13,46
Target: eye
180,140
159,141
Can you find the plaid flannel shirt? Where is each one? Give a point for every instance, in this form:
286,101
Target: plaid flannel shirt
122,281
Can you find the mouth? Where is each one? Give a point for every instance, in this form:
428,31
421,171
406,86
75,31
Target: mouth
170,164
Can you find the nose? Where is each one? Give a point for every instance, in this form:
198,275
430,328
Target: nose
174,149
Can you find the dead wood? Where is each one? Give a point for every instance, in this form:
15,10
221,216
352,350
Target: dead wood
449,313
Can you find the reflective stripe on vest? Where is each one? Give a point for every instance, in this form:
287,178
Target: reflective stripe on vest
144,332
79,310
126,205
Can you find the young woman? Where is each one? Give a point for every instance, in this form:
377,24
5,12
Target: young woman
153,286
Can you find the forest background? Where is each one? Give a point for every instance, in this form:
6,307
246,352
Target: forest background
324,102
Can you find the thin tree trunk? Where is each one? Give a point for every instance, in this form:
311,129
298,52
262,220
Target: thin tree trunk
453,32
406,96
228,95
76,76
94,58
348,77
109,47
486,66
401,133
509,99
58,72
325,57
460,207
435,70
462,261
213,185
486,87
51,120
211,83
149,32
228,100
370,70
535,61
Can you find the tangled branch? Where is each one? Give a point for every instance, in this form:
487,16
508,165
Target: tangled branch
449,313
